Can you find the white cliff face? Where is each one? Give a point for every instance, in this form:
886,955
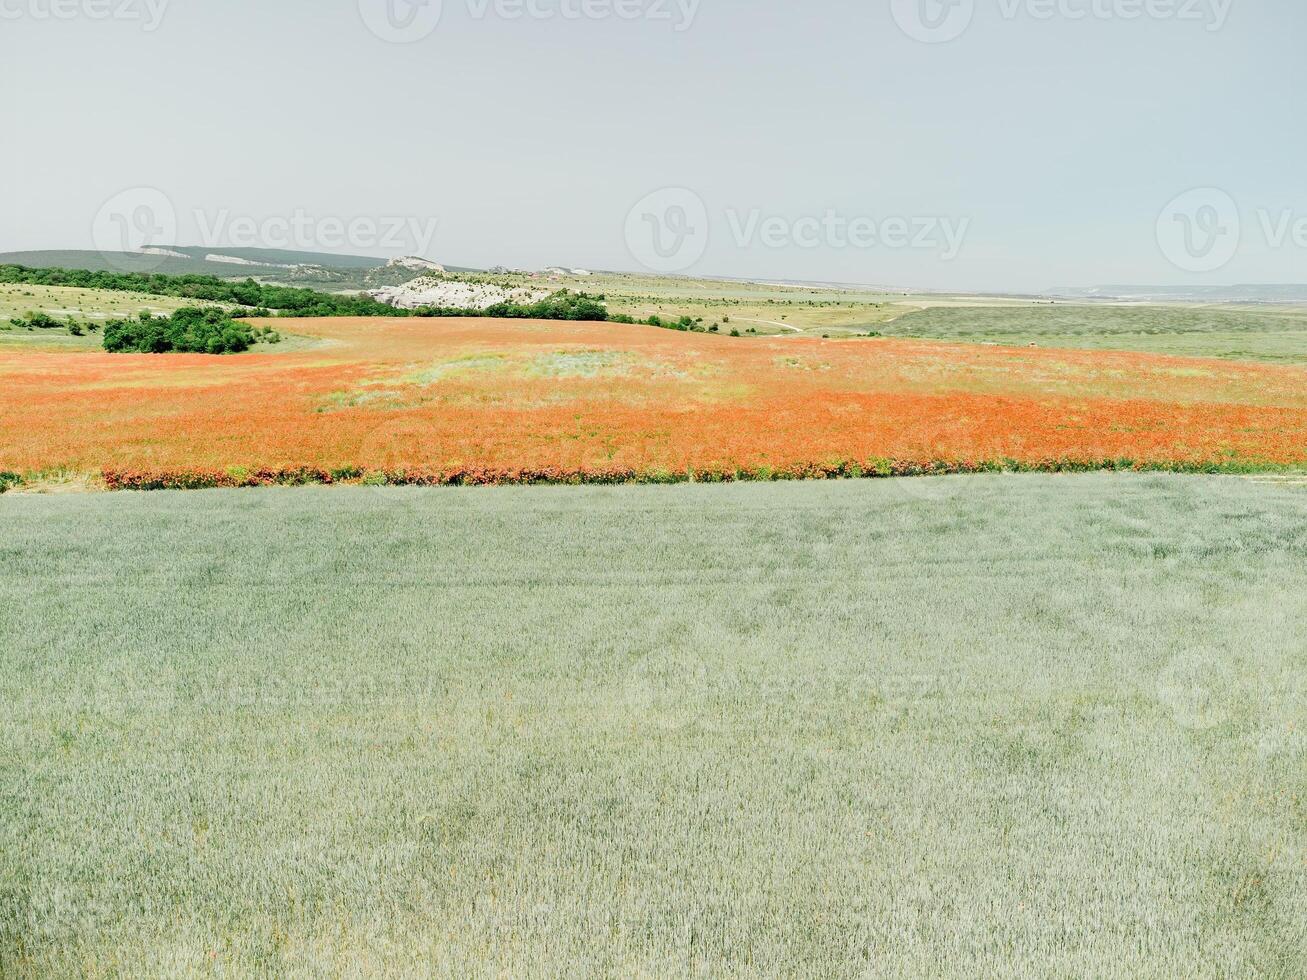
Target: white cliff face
236,260
429,291
415,263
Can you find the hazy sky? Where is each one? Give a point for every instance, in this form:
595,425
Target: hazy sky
1041,146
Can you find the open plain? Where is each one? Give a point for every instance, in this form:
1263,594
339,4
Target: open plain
475,400
1013,725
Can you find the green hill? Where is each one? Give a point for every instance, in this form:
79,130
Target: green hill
283,257
121,262
315,270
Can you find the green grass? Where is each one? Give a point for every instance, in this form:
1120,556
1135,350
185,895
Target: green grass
1258,333
123,262
62,302
1249,332
1007,725
94,307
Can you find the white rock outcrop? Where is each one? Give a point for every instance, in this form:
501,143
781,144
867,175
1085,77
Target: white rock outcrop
415,263
452,294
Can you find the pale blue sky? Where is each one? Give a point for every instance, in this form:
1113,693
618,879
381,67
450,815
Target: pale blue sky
1060,141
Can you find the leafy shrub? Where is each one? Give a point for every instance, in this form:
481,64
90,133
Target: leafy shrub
563,305
186,331
36,320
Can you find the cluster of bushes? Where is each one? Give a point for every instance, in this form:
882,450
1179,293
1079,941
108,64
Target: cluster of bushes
562,305
288,300
36,320
684,323
190,331
291,301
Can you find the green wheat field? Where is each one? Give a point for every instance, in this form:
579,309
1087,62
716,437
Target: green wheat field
982,726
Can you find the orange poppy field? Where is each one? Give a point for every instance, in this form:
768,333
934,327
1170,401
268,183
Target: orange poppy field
487,401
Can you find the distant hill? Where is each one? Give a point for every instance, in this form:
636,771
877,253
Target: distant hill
118,262
317,270
190,259
1244,293
284,257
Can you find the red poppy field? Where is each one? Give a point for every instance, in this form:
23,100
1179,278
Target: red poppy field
486,401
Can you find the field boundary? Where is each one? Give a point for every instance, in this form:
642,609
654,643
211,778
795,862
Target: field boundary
113,479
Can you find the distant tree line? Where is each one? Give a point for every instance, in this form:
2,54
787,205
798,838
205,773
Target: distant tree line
259,298
562,305
217,329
